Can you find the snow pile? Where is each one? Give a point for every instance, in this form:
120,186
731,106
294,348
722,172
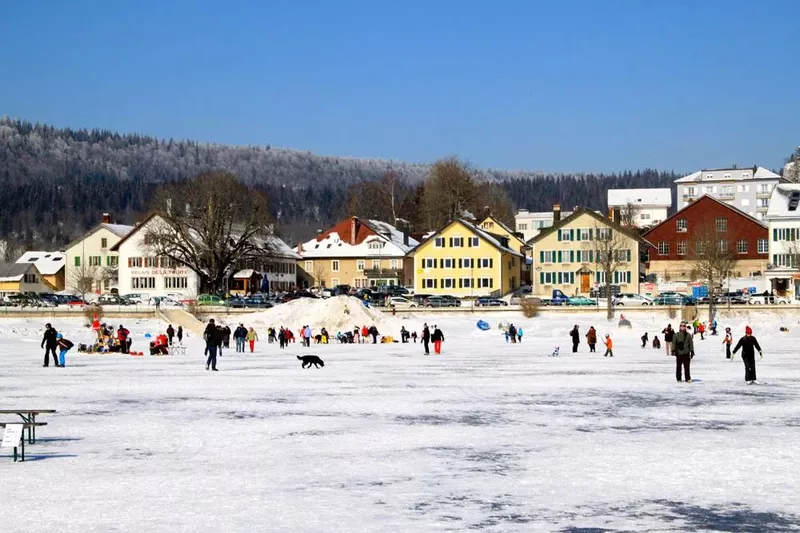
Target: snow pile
330,314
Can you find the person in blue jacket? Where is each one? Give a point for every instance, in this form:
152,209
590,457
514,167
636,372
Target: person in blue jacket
519,334
64,345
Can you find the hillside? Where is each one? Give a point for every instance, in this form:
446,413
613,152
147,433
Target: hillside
56,183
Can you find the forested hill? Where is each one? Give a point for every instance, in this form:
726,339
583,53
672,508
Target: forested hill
55,183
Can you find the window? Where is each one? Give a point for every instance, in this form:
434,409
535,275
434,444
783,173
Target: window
763,246
599,277
764,188
709,189
394,264
485,283
522,227
488,225
763,202
335,265
604,234
134,262
376,265
644,216
143,283
726,191
663,248
688,191
457,242
741,246
745,202
726,175
722,246
744,188
548,256
745,174
95,260
429,262
448,262
700,247
360,265
465,283
106,284
30,278
176,283
474,242
564,235
466,262
334,282
428,283
785,234
448,283
104,243
681,225
309,266
376,245
585,234
485,262
683,247
77,261
722,224
438,242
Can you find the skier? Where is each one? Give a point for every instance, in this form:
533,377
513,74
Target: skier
252,337
609,347
591,339
683,350
644,339
727,342
438,339
749,345
212,337
49,343
180,334
64,346
576,338
170,334
426,338
669,334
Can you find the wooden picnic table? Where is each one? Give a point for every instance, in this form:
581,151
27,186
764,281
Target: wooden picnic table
29,418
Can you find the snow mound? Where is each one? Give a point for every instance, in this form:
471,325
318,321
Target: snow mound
331,314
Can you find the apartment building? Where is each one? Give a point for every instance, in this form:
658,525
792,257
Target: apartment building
644,207
783,218
530,223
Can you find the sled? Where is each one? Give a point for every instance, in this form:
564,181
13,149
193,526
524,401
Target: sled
483,325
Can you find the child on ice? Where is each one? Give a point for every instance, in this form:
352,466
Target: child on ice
64,346
609,347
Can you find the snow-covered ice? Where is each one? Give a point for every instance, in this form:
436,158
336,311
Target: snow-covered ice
486,437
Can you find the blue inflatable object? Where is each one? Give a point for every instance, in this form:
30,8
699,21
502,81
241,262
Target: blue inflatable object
147,335
482,325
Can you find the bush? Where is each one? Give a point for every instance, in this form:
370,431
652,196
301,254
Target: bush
89,312
530,307
672,312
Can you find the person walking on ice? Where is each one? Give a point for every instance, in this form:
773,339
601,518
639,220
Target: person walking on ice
609,346
576,338
438,339
683,350
727,342
749,345
50,343
591,339
252,337
669,335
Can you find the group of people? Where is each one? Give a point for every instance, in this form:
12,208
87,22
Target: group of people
52,340
591,341
513,334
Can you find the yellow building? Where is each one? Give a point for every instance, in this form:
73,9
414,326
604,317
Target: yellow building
463,260
515,241
570,254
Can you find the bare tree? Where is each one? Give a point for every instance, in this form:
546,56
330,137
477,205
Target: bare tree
629,214
495,197
449,191
380,200
319,273
711,259
81,279
612,253
210,224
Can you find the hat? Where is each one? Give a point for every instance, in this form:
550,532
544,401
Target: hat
748,330
59,336
607,335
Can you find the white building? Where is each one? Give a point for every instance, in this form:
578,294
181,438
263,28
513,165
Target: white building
277,273
530,223
91,256
649,206
747,189
783,271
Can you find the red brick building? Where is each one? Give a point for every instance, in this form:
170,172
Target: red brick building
676,240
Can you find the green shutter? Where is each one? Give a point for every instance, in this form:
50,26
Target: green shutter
629,255
558,231
559,256
591,255
558,277
774,234
541,256
541,278
77,260
572,234
591,234
578,231
572,256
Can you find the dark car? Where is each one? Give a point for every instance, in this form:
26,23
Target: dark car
111,299
485,301
674,298
441,301
456,301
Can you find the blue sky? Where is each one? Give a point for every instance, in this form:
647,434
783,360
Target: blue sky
597,85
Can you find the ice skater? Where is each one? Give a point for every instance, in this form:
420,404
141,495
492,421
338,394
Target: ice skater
438,339
64,345
49,343
669,335
591,339
683,350
576,338
213,340
426,338
749,345
727,341
645,338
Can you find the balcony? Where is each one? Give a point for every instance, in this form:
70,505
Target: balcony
727,196
762,194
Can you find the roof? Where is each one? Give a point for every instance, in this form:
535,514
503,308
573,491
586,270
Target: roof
512,233
633,234
48,263
352,238
640,197
547,215
779,201
730,174
494,240
120,230
247,273
14,271
694,204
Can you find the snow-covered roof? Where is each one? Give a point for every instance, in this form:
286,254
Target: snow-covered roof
48,263
358,238
120,230
279,248
779,202
640,197
14,271
730,174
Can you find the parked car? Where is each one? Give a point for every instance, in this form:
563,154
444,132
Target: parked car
631,299
71,300
760,299
733,298
165,301
409,290
456,301
581,300
341,290
111,299
673,298
400,302
137,298
441,301
210,299
485,301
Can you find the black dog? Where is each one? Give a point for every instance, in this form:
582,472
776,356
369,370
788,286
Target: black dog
311,360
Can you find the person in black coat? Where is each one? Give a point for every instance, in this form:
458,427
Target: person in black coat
170,334
213,338
49,343
749,345
426,339
512,333
374,332
226,336
669,334
438,338
576,338
180,334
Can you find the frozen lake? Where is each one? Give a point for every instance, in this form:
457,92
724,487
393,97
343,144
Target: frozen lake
486,437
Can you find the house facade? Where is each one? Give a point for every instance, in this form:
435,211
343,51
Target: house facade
648,207
783,217
516,241
21,278
463,260
277,273
530,223
746,189
90,259
359,253
677,240
567,256
51,266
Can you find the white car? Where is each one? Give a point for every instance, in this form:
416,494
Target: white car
760,299
631,299
400,302
137,297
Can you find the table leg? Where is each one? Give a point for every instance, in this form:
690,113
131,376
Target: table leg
23,448
33,428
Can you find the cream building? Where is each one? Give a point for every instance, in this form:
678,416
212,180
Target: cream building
91,257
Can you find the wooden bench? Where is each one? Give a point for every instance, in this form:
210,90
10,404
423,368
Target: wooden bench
28,417
18,443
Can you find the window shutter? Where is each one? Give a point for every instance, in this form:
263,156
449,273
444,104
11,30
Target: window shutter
558,278
629,255
591,234
578,232
591,256
559,256
558,231
572,234
459,263
774,234
572,256
541,278
491,262
460,283
541,256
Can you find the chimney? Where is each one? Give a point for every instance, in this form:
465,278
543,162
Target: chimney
106,218
353,230
556,213
616,215
610,213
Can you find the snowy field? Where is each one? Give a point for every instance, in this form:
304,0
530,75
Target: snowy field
486,437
